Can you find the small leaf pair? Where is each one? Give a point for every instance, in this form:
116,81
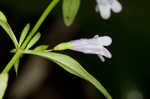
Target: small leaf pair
21,40
33,41
30,44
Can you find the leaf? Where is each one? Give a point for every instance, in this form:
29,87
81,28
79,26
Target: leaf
24,34
16,66
7,28
41,47
13,50
3,84
33,40
70,9
3,17
72,66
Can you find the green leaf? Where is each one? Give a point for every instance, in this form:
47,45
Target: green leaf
7,28
33,40
72,66
24,34
16,66
3,84
70,9
41,47
13,50
3,17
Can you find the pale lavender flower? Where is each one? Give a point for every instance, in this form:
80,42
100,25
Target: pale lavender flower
95,45
105,7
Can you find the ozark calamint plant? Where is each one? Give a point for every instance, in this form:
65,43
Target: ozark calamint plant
29,37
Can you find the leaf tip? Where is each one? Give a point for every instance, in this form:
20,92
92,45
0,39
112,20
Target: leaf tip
67,21
3,17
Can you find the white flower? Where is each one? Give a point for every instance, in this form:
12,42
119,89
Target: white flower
95,45
105,7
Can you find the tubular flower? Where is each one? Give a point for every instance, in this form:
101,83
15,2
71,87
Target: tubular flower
105,7
95,45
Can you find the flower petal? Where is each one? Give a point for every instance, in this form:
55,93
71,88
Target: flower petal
105,53
116,6
104,7
105,11
105,40
88,49
101,58
97,8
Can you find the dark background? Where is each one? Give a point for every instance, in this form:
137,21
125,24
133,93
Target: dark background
125,77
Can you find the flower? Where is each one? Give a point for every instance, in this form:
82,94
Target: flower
105,7
95,45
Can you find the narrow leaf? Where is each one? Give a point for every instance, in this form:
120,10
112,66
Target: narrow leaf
72,66
70,9
13,50
7,28
33,40
24,34
3,84
3,17
16,66
41,47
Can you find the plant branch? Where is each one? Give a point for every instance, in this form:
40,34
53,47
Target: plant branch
33,31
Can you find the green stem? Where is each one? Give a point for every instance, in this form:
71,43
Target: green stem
11,62
40,21
33,31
